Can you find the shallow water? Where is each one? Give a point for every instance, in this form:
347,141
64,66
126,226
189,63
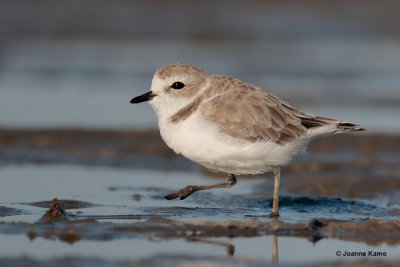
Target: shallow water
127,192
124,196
290,250
110,194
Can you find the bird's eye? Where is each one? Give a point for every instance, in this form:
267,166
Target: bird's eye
177,85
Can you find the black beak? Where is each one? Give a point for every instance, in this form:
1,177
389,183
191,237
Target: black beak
145,97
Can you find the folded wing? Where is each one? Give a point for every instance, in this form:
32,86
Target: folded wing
253,114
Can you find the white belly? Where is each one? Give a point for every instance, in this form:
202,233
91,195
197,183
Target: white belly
203,143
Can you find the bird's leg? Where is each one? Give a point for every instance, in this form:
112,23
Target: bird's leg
277,177
190,189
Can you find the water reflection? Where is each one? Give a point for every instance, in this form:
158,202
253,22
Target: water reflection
230,247
263,249
275,252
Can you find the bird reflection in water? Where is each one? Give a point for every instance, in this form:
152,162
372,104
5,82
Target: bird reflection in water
230,248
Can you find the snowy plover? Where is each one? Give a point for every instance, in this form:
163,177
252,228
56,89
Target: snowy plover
229,125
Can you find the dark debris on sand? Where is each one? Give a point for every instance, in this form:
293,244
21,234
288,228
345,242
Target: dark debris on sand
55,212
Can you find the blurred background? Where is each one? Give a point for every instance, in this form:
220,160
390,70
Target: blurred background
77,63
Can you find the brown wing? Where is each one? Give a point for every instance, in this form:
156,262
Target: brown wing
308,120
253,115
245,111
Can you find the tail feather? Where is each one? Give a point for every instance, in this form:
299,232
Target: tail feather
347,126
311,122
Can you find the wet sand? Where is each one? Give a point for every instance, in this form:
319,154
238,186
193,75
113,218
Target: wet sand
110,187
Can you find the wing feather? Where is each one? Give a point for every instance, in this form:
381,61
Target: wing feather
250,113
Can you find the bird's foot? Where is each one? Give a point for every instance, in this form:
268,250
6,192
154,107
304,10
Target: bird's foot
182,193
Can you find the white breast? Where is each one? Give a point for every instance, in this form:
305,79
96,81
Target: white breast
203,143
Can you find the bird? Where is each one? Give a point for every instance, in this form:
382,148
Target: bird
231,126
